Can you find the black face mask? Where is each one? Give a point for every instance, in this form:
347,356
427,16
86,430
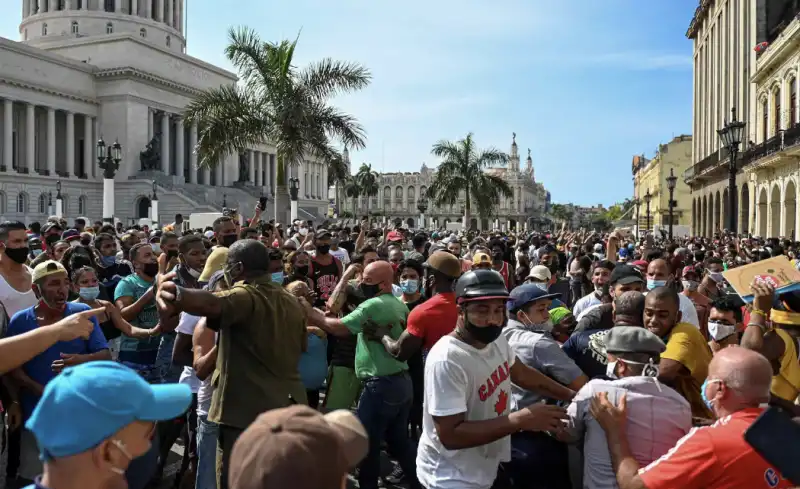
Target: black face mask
323,249
369,291
486,334
302,271
150,269
19,255
497,255
227,240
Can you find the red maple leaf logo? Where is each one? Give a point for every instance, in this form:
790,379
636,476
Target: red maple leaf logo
501,404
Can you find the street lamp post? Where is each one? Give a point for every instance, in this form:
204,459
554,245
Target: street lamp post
647,198
49,203
59,201
731,136
464,217
671,181
154,207
108,158
637,203
422,206
294,189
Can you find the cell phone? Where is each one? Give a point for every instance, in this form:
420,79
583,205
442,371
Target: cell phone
776,437
262,203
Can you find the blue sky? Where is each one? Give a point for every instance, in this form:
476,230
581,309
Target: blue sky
585,84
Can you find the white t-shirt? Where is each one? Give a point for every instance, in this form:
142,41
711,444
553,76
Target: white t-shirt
186,325
585,303
14,300
463,379
342,255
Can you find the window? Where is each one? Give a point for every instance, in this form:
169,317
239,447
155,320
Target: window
109,6
44,29
43,204
82,205
61,5
22,203
764,120
777,122
143,33
169,41
109,28
792,102
75,27
64,204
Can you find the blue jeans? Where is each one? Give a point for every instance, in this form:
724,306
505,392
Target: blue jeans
206,453
383,410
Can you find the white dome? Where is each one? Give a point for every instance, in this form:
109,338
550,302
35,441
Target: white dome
57,22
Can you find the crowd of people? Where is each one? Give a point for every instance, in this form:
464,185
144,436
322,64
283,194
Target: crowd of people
306,354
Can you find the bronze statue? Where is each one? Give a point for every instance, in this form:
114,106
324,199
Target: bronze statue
150,158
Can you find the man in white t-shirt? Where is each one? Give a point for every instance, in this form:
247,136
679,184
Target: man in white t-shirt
601,272
468,374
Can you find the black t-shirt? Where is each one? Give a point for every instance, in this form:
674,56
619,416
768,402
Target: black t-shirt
600,317
588,350
325,278
343,349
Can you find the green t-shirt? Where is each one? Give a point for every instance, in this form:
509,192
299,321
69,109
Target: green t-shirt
372,359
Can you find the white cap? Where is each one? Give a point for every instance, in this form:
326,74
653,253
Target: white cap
540,272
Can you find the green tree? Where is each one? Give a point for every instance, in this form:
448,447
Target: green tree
337,175
367,180
352,190
276,103
462,170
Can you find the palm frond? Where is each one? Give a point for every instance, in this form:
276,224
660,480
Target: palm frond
328,78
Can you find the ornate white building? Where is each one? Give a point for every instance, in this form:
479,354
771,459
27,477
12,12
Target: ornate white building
399,195
118,70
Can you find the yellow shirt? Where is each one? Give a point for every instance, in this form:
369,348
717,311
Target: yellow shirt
786,384
687,346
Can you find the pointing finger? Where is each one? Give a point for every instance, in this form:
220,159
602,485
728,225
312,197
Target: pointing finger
91,312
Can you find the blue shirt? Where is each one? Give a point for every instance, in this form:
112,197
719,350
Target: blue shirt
313,364
40,367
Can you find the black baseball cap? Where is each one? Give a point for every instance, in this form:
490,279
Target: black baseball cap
624,275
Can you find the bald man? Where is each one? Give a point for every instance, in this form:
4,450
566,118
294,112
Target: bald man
717,456
387,394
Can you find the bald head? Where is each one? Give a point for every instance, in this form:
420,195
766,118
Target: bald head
746,372
381,273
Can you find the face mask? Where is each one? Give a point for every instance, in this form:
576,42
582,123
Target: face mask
107,261
720,331
302,271
652,283
156,248
89,293
498,255
650,369
707,402
485,335
409,286
323,249
150,269
611,370
277,277
19,255
227,240
546,326
36,253
303,231
716,277
195,274
368,290
690,285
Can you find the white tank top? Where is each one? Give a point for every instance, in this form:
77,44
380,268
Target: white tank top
14,300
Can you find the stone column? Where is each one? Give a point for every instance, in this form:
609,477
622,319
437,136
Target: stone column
53,7
257,165
206,176
118,6
179,154
170,13
70,146
265,169
68,5
94,167
148,9
193,154
42,8
251,166
88,159
85,5
160,11
150,118
165,143
218,171
51,141
135,7
8,133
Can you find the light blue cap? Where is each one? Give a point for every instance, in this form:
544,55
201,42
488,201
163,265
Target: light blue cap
88,403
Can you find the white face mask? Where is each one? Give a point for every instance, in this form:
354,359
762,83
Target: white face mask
194,273
719,331
303,231
546,326
650,369
156,247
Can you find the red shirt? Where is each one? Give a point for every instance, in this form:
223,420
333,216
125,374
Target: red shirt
433,319
715,457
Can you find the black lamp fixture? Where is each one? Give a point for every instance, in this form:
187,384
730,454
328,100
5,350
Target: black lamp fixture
647,198
224,200
294,188
155,196
50,198
672,180
731,136
58,190
108,157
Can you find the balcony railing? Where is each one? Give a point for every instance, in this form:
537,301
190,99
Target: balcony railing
785,139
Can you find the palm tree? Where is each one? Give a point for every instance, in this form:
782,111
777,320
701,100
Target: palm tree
337,174
462,169
352,190
367,180
277,103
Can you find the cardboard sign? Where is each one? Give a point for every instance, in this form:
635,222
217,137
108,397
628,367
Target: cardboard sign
777,272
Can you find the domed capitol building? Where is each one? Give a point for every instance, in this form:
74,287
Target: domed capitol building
399,196
117,70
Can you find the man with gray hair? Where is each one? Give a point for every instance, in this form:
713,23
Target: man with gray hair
716,456
657,415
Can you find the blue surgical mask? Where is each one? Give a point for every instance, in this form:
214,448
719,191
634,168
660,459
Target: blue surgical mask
89,293
652,283
409,286
277,277
108,260
703,394
36,252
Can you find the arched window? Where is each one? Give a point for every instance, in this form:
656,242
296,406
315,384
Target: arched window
777,122
109,28
412,195
75,29
44,29
143,33
43,204
764,120
169,41
792,102
82,205
22,203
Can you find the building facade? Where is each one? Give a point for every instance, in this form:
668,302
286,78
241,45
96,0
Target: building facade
723,33
650,177
399,195
117,70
